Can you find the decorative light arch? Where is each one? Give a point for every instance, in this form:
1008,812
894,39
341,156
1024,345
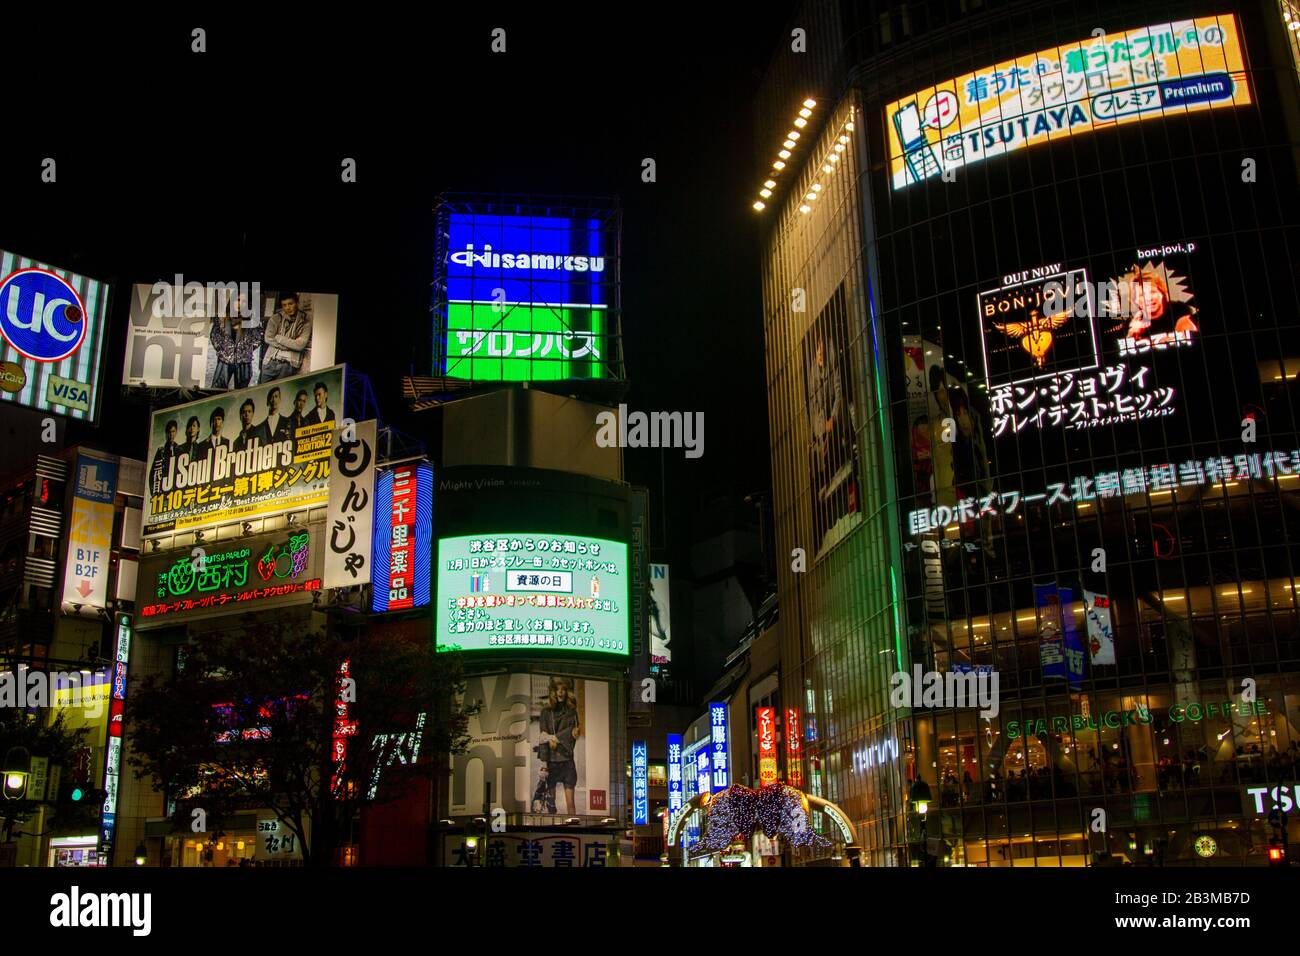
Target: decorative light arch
700,801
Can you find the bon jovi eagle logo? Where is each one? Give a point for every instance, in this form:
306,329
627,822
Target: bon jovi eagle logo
1035,333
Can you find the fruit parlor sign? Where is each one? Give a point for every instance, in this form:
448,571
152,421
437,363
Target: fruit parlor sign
230,577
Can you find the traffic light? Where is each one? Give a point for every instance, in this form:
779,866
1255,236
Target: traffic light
1277,855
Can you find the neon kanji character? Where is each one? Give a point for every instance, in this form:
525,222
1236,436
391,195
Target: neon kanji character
1081,489
1162,478
1247,466
1108,485
1134,481
1219,469
1191,473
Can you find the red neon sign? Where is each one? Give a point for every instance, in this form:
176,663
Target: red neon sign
766,745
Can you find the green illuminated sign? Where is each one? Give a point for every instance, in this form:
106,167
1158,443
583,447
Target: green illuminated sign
1063,723
529,591
519,343
216,572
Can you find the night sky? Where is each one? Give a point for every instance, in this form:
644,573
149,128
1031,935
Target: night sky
225,166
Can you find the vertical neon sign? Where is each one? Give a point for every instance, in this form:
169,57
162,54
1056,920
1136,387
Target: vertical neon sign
640,785
721,763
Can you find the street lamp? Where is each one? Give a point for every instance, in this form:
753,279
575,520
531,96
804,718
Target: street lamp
919,795
17,768
141,854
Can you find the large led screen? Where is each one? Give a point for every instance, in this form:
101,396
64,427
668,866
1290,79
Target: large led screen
524,591
527,298
1081,87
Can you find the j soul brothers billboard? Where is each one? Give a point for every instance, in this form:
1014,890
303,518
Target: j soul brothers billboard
52,326
1080,87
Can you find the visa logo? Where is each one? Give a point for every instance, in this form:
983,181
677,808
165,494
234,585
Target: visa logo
69,392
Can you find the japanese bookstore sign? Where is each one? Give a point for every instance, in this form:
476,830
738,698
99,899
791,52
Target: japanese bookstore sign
52,328
223,335
402,554
531,591
528,297
1080,87
90,538
245,454
242,574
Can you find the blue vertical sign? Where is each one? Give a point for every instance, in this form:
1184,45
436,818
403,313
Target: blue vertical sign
721,762
703,774
640,784
676,796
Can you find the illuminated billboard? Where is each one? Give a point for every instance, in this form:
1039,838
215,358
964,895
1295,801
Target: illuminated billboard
52,328
225,335
1084,86
661,651
522,297
541,741
1063,352
525,591
403,544
244,454
255,573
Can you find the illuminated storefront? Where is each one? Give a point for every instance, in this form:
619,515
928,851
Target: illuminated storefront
1088,475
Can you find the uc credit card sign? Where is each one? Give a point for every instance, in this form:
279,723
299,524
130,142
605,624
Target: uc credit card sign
1080,87
52,327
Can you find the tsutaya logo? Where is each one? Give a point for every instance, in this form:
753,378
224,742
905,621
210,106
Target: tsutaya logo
924,688
41,315
656,430
527,260
75,909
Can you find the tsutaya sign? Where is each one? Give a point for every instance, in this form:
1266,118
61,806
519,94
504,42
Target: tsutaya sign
1115,719
1080,87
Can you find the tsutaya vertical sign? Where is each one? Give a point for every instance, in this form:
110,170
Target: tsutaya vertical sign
640,784
766,717
113,747
676,796
350,522
721,761
793,748
403,551
85,577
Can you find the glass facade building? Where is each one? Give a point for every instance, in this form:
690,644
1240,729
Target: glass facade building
1033,340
